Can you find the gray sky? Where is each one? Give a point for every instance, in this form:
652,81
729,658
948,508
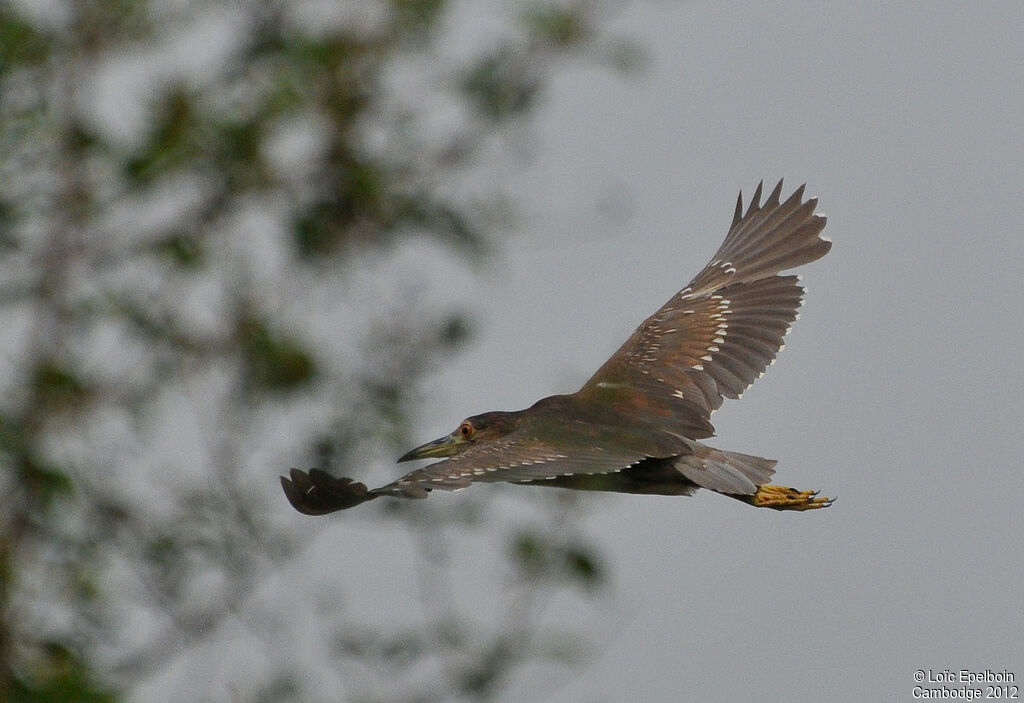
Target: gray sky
899,390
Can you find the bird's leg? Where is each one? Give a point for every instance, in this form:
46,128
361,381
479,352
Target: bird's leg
785,498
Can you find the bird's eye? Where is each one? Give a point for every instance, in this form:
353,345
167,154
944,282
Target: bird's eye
466,430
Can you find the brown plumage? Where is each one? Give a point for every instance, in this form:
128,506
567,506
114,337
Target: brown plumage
634,426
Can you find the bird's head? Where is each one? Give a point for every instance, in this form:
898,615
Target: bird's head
479,428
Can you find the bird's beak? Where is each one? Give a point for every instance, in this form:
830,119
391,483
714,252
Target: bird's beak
446,446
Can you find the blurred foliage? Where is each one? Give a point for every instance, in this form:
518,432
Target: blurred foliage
537,554
66,680
273,363
188,193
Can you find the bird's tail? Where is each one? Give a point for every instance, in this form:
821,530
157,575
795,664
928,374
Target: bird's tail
725,472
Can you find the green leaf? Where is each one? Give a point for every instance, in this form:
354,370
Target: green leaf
20,43
417,15
184,250
584,566
529,553
274,362
361,204
558,26
46,482
58,388
455,330
501,85
170,142
60,676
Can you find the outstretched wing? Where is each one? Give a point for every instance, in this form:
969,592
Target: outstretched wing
517,458
719,334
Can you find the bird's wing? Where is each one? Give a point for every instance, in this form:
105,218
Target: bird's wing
512,459
720,333
319,493
515,458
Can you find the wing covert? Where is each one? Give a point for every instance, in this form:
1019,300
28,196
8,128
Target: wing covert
516,459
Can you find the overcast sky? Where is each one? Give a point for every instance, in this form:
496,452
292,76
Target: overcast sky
900,387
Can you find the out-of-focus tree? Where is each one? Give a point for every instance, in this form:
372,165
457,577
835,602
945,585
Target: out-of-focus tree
208,213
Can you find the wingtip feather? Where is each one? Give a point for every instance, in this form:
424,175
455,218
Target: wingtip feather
755,200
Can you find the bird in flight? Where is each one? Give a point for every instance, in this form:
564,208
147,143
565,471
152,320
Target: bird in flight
636,425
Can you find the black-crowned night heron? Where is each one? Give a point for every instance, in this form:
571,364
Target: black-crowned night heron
634,427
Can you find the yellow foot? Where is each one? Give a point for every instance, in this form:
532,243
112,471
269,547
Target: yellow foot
783,498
